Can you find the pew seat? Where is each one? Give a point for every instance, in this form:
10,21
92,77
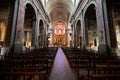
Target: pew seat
104,76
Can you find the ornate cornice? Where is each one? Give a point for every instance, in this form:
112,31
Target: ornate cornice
79,9
42,10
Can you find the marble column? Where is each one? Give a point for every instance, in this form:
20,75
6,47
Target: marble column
19,28
37,33
106,23
43,42
67,38
15,46
14,22
101,27
86,33
46,34
74,35
83,31
34,34
8,39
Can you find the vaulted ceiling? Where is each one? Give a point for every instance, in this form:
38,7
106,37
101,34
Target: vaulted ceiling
59,10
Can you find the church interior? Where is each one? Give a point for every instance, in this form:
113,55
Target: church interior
59,40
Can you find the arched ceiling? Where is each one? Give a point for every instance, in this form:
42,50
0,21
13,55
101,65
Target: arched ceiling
59,10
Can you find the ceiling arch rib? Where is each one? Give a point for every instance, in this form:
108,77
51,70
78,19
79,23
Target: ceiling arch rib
59,10
59,4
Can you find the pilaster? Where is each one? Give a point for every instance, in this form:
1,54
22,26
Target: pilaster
83,31
13,47
103,47
18,21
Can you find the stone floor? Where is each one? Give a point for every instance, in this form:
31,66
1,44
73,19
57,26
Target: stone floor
61,69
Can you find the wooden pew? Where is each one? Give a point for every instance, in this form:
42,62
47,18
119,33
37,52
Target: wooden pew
4,75
34,61
22,73
95,63
105,76
108,67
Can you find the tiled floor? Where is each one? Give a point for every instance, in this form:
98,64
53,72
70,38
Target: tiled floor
61,68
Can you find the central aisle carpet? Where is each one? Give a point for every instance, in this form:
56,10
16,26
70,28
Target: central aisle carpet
61,69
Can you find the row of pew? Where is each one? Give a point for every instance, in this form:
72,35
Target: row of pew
33,65
93,66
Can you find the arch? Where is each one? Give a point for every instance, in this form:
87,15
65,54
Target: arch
42,20
59,36
88,5
29,8
51,4
91,27
59,21
29,28
59,26
33,6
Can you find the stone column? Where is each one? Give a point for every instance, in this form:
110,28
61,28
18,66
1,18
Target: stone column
51,34
15,17
101,27
47,42
52,37
14,22
106,23
8,38
67,37
19,27
83,32
34,34
75,35
46,35
71,36
37,33
43,42
73,27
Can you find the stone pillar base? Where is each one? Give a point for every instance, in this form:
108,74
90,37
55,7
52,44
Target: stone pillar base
4,51
116,52
83,47
15,50
104,50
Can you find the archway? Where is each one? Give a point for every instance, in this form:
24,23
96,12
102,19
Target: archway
29,27
59,34
41,34
79,36
91,28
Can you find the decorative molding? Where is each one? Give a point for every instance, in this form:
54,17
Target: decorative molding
79,9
